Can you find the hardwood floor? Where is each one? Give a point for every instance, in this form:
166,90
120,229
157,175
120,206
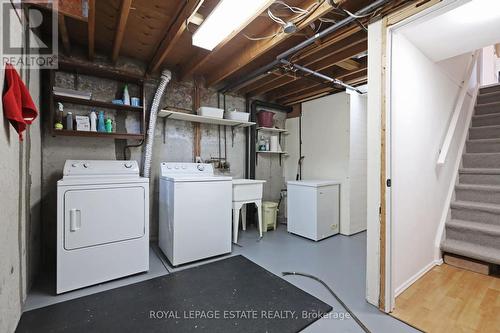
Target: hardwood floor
449,299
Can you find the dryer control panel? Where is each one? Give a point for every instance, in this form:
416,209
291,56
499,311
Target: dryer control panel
95,168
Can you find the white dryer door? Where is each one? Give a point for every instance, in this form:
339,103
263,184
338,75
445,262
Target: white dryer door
99,216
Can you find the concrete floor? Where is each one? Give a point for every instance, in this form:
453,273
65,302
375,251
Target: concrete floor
339,261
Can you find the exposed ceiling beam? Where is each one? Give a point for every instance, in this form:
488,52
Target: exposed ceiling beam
70,8
347,51
202,56
252,50
186,8
316,92
120,29
63,31
249,86
349,64
91,29
303,85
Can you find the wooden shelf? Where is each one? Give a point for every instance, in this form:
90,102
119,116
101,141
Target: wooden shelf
100,104
272,152
97,134
269,129
201,119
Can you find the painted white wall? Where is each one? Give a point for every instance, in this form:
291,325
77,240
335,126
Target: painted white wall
471,26
489,71
423,97
325,145
334,146
373,162
357,162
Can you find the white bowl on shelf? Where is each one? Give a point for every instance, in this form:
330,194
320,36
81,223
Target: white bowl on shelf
206,111
236,115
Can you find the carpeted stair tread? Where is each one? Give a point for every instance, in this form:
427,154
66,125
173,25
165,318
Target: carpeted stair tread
484,228
471,250
488,107
483,145
489,97
486,207
482,171
489,89
481,160
488,119
478,187
484,132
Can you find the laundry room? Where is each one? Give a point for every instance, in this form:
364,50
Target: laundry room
186,165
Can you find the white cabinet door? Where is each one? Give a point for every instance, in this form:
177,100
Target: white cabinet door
99,216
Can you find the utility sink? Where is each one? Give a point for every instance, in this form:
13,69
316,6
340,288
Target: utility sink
247,189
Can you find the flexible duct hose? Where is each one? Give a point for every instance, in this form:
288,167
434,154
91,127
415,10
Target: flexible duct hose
166,76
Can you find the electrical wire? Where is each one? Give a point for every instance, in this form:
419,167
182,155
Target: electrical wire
356,319
263,37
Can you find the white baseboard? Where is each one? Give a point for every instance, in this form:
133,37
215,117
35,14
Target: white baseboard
417,276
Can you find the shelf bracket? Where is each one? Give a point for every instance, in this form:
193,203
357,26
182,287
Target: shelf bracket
165,128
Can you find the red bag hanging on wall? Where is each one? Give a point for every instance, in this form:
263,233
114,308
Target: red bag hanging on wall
18,107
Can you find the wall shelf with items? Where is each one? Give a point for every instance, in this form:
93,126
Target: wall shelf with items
267,133
202,119
119,110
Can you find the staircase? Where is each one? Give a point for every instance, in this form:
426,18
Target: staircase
474,228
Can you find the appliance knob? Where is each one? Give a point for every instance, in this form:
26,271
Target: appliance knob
74,165
184,167
169,167
201,167
176,167
85,165
128,165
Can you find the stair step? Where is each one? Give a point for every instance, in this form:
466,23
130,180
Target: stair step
471,250
476,212
478,233
479,176
486,119
489,89
484,132
478,193
469,264
481,160
483,146
488,108
488,97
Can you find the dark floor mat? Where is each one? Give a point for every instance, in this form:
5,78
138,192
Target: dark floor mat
230,295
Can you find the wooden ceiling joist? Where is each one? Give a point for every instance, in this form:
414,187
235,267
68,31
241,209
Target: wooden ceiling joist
186,8
252,50
352,79
91,29
63,31
343,54
120,29
301,85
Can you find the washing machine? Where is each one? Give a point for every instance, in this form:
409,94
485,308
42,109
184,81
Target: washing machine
102,223
195,210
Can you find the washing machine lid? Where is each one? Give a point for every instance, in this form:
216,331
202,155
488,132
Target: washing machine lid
314,183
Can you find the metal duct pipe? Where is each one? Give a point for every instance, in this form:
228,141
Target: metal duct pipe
166,76
236,84
321,76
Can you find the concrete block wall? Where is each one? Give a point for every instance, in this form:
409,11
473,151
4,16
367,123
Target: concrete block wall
173,142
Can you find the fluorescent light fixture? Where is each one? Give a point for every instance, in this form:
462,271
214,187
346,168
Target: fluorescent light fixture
477,11
227,17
